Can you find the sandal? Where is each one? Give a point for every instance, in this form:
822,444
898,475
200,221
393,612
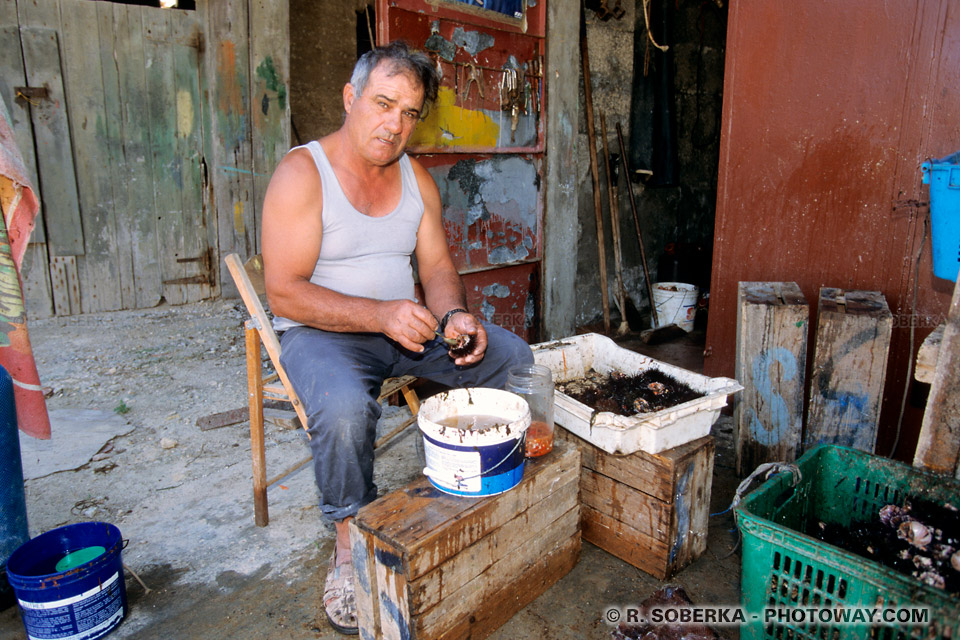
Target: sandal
339,599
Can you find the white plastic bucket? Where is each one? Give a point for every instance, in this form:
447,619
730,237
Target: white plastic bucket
676,303
469,462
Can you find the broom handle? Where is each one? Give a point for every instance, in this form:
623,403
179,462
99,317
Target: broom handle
614,223
636,222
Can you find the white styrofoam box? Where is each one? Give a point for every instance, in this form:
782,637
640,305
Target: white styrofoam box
570,358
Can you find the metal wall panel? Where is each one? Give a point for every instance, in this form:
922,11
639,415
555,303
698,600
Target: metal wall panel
829,108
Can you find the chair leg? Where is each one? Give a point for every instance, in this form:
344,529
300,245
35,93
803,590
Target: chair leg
257,451
411,397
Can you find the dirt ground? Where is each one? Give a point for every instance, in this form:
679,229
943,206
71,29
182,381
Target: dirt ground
181,496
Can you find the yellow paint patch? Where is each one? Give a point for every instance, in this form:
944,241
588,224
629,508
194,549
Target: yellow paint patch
238,225
184,113
448,125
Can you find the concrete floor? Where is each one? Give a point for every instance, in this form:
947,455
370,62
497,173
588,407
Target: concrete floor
213,574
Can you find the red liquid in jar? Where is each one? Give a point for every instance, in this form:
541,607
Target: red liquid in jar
539,439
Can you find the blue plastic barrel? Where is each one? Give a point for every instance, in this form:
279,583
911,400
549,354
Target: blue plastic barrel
943,176
13,503
86,600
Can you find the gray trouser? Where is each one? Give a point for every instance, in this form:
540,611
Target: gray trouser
338,377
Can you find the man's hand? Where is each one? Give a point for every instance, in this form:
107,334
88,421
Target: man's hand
466,324
406,322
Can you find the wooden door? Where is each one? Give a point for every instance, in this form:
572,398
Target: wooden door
483,144
107,104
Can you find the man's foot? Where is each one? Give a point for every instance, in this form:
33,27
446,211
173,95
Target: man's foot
339,599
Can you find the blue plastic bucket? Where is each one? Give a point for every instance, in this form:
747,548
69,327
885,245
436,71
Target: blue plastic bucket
474,462
943,176
83,602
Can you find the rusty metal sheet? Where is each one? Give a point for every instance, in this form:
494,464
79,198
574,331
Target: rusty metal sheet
491,207
507,297
819,179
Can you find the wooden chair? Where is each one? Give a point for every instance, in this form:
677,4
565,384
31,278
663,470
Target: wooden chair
276,386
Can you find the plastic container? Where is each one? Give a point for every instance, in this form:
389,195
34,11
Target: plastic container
570,358
676,303
785,568
943,176
474,462
534,383
87,600
13,503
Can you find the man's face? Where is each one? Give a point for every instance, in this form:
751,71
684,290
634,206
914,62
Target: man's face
381,120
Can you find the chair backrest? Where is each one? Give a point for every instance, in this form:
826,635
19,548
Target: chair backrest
250,283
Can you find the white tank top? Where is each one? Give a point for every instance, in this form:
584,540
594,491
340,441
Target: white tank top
361,255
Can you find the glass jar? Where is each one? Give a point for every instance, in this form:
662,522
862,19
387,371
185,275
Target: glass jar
535,384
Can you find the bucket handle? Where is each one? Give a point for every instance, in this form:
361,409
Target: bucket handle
427,471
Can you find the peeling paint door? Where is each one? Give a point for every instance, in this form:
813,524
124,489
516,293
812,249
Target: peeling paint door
106,100
483,144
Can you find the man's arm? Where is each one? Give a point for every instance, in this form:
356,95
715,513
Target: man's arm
291,236
441,283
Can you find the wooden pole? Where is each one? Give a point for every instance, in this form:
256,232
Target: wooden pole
938,448
594,172
614,199
636,222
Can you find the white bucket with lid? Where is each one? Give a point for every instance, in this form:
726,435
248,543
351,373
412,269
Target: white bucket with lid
676,303
474,462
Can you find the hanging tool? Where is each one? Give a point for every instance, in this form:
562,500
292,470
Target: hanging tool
655,333
594,171
475,75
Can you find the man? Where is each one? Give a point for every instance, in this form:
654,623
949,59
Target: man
342,217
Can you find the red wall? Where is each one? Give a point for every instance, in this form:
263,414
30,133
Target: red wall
829,108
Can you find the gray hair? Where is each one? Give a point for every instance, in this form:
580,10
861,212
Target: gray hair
399,58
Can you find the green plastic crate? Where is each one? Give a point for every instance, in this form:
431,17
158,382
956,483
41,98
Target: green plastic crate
785,569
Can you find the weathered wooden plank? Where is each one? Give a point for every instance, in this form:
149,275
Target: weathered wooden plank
51,129
269,92
35,275
928,354
137,228
938,448
649,516
624,541
473,596
65,284
83,84
392,592
229,154
109,129
365,580
772,328
560,199
167,168
521,590
12,75
417,519
445,580
185,41
653,474
849,368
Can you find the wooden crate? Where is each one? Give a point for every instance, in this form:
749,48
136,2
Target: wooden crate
431,565
650,510
849,368
772,327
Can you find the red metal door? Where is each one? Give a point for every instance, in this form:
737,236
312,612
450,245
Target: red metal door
829,108
483,144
